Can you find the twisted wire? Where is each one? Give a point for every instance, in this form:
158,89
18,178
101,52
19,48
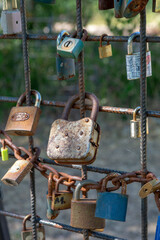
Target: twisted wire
28,102
143,140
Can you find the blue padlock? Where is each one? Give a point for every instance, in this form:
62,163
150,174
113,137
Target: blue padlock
67,46
134,7
112,206
119,6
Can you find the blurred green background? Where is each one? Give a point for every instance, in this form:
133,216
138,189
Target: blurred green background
106,77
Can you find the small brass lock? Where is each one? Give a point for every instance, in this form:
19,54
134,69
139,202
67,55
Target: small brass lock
51,214
105,4
156,6
105,50
135,125
19,169
23,120
26,233
61,199
149,187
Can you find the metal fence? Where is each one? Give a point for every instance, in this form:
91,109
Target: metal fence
143,114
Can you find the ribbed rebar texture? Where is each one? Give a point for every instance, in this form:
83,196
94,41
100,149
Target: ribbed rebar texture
143,140
28,102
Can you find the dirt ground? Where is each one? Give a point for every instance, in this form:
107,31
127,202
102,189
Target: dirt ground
117,151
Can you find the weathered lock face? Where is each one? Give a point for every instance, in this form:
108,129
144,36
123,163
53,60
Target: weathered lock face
83,211
156,6
119,6
134,7
65,68
74,142
17,172
61,200
104,50
23,121
51,214
104,5
70,47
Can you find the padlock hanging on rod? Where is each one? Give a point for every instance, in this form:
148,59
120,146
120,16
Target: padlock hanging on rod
104,50
11,18
134,7
156,6
133,66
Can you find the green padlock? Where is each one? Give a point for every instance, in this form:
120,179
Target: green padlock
4,151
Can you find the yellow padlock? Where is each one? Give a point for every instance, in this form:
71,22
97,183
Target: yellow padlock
104,50
4,151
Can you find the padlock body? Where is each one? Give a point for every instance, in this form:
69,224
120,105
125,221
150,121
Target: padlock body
4,154
134,7
11,21
83,215
106,4
112,206
119,6
23,121
61,200
51,214
156,6
133,65
135,128
73,142
27,234
17,172
65,68
105,51
70,47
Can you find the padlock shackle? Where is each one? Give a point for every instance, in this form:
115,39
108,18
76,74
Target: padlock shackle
130,42
26,218
5,5
105,180
22,98
85,35
72,100
58,181
135,112
14,4
61,36
101,39
124,187
79,186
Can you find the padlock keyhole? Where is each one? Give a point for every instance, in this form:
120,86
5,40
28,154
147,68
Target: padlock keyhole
68,44
16,22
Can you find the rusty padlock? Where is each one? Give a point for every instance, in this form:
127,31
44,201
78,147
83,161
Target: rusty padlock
61,199
23,120
105,4
83,210
134,7
104,50
51,214
75,142
26,233
19,169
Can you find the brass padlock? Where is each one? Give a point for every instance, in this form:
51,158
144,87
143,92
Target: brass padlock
23,120
105,4
51,214
150,187
105,50
135,125
75,142
19,169
26,233
83,210
156,6
61,199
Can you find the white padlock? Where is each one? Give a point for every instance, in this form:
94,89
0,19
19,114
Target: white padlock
11,18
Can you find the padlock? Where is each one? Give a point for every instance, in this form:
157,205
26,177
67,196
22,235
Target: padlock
119,6
4,151
134,7
68,47
83,210
51,214
46,1
104,50
156,6
105,4
11,19
110,205
23,120
26,233
61,199
133,60
19,169
65,68
150,187
75,142
135,125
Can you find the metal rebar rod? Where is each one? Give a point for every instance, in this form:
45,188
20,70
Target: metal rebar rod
63,226
143,139
28,102
90,38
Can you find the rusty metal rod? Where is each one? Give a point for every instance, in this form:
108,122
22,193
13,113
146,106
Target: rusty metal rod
63,226
89,39
108,109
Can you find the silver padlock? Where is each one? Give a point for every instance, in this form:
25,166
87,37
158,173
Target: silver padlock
135,125
133,60
11,18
